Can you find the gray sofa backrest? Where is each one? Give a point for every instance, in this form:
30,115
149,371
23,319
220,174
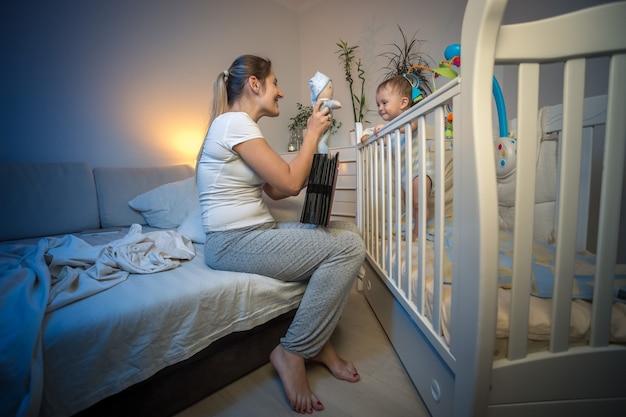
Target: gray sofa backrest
46,199
43,199
117,186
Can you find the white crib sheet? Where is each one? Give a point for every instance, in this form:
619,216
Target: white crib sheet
540,308
103,344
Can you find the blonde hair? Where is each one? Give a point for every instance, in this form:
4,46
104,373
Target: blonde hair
229,85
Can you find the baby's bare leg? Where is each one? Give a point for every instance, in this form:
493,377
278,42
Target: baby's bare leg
429,185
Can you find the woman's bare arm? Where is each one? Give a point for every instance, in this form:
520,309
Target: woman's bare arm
285,179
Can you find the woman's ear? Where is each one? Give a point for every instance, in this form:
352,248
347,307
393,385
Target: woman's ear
254,84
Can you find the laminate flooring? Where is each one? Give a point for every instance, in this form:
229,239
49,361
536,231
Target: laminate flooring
384,390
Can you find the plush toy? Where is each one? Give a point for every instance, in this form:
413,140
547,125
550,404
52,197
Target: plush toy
322,89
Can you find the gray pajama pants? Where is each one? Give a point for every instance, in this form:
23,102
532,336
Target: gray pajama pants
329,258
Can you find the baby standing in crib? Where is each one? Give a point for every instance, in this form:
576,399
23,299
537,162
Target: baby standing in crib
235,165
393,97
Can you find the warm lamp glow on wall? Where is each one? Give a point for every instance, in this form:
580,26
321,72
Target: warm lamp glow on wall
179,143
165,130
187,143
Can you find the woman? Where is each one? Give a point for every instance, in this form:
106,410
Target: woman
235,165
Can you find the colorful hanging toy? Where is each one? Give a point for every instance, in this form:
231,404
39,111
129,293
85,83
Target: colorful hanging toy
505,146
452,57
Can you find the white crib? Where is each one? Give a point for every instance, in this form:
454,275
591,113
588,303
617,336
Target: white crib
440,299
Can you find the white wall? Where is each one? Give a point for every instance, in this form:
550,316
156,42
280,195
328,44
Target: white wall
129,82
373,26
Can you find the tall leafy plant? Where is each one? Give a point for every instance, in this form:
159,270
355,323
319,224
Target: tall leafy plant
350,62
406,56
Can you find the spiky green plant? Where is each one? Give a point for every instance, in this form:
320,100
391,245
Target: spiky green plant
407,55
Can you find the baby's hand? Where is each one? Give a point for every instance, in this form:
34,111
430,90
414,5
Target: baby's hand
320,120
378,127
366,134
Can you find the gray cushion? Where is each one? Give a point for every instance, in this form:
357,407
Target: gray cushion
117,186
43,199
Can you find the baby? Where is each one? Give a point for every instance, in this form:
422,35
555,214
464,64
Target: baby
393,97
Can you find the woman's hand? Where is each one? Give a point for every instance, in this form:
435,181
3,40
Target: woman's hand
282,178
320,120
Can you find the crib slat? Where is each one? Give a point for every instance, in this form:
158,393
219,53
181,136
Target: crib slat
379,174
367,213
397,207
386,156
571,145
610,199
421,249
438,246
528,103
408,203
378,179
371,201
376,214
585,189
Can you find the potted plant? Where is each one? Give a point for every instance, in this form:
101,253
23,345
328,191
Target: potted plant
349,61
405,57
298,124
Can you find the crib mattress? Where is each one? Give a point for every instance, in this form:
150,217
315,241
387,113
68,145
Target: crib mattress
540,307
100,345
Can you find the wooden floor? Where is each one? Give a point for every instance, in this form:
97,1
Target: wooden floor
384,388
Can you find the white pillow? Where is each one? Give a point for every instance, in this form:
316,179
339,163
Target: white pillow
168,205
192,227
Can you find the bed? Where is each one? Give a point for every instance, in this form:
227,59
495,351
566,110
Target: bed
108,308
511,302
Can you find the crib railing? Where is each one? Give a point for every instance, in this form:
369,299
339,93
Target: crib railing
385,214
571,194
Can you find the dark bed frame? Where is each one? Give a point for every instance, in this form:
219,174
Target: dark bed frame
178,386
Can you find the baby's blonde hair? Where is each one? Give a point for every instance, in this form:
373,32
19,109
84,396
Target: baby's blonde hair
399,84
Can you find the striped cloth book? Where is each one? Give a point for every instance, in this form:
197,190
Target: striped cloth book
320,190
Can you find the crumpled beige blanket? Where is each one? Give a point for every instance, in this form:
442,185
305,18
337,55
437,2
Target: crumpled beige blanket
79,270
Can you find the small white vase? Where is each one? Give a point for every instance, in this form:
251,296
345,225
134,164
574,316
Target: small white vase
356,133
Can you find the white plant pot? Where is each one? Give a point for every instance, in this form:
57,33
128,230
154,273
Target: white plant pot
356,133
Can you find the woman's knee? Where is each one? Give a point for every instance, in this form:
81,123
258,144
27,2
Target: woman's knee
353,243
340,226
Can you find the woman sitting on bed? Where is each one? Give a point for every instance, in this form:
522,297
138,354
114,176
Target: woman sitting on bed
235,165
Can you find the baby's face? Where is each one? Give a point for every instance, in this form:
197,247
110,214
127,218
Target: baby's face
390,103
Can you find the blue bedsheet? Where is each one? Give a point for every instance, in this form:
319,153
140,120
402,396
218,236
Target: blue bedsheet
542,279
543,256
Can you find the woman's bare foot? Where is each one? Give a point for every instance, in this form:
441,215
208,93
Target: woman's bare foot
292,373
340,368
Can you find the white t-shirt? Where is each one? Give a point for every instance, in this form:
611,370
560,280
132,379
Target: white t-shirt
230,191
